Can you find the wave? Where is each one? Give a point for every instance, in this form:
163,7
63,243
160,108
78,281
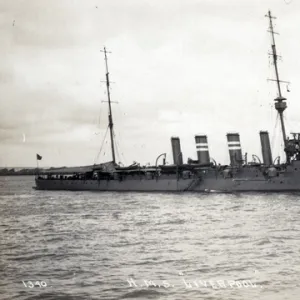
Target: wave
142,294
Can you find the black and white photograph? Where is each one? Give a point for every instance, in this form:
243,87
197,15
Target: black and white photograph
149,149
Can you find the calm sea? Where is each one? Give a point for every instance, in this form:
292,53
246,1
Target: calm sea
88,245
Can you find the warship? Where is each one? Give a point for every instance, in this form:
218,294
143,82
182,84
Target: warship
201,175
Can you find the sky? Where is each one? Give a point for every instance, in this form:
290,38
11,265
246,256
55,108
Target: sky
178,68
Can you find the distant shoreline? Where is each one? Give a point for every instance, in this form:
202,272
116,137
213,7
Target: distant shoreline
19,171
4,175
13,172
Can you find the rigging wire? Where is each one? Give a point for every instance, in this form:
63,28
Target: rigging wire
286,120
122,155
101,107
100,117
116,145
97,157
118,150
119,111
274,136
98,127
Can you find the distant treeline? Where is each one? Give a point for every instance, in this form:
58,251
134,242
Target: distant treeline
25,171
11,172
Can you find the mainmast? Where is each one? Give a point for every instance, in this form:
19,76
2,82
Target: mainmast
280,104
110,119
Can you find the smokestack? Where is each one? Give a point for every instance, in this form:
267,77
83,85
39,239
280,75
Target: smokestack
176,149
266,148
202,149
235,150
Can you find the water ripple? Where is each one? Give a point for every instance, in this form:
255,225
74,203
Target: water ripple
88,245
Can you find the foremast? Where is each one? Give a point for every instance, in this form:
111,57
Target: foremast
280,104
110,118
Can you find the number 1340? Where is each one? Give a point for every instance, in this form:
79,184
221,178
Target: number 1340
32,284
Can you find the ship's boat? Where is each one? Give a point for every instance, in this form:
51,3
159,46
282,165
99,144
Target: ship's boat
200,175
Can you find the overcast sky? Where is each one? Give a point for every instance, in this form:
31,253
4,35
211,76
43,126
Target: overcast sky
179,67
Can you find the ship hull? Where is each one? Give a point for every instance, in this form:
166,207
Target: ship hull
208,185
171,185
247,186
246,179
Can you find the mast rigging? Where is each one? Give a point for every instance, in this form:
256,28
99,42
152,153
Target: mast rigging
110,118
280,104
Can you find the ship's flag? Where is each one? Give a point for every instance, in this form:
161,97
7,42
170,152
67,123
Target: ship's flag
38,157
